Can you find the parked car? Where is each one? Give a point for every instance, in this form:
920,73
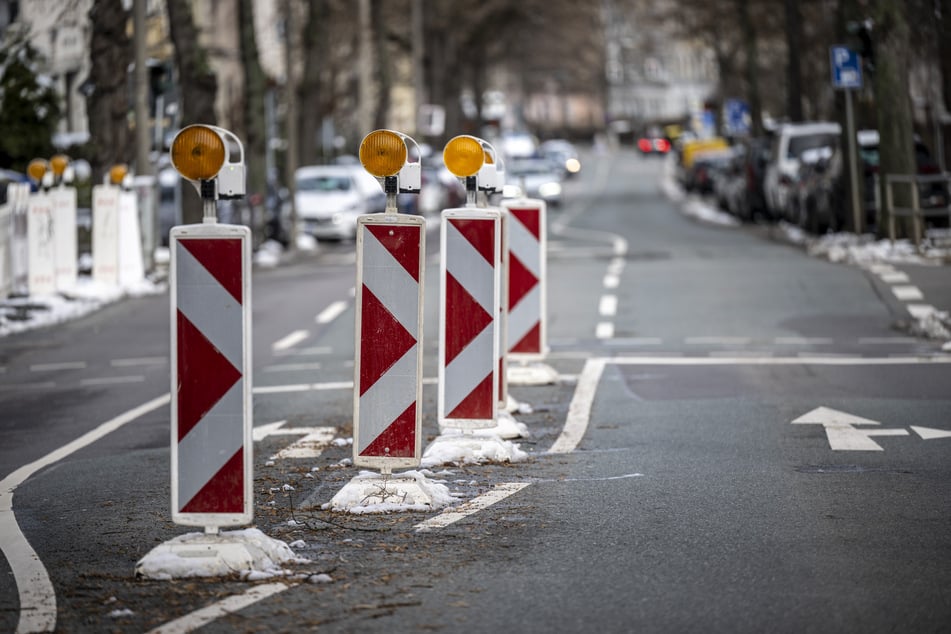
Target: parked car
563,156
6,178
704,168
533,177
782,168
329,199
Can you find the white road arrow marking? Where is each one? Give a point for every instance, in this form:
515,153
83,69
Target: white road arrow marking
841,433
314,440
929,433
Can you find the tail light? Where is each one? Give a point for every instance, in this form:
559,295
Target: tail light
644,145
662,145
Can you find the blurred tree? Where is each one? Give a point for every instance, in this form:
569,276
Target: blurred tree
29,108
198,84
108,100
794,46
252,130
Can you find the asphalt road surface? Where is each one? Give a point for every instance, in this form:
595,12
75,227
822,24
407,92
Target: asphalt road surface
667,487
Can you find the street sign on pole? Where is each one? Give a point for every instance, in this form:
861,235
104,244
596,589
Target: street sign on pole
846,67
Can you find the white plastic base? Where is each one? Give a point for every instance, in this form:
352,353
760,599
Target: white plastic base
371,492
531,374
210,555
456,447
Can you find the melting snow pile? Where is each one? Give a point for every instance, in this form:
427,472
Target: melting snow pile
457,447
248,552
370,492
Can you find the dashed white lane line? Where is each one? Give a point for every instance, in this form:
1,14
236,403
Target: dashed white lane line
907,293
476,504
131,363
636,341
37,597
894,277
717,341
293,367
611,281
920,311
604,330
886,341
53,367
607,307
306,352
112,380
290,340
803,341
330,313
229,605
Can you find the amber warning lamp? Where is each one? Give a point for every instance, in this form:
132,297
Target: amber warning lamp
200,153
385,154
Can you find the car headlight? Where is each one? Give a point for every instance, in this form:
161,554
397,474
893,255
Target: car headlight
511,191
548,190
573,165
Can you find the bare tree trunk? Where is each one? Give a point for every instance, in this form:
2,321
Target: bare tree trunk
384,67
108,106
944,59
198,84
752,77
253,129
890,79
314,52
793,70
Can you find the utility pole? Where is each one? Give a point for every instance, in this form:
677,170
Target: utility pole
290,123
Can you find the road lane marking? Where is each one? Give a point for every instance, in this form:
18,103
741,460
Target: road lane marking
292,367
36,385
611,281
717,341
907,293
636,341
305,352
920,311
229,605
579,410
52,367
37,597
290,340
607,306
604,330
129,363
476,504
112,380
886,341
330,313
803,341
894,277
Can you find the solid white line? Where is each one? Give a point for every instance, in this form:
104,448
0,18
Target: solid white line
52,367
636,341
37,597
303,387
229,605
579,410
608,306
803,341
113,380
877,341
716,341
476,504
330,313
293,367
306,352
290,340
803,360
907,293
128,363
604,330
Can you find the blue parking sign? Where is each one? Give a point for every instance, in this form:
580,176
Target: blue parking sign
846,67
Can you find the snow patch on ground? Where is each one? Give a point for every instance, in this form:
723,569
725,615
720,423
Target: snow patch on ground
370,492
454,446
249,553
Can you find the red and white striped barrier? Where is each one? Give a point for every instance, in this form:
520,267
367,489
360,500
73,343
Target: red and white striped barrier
526,336
211,375
468,318
389,320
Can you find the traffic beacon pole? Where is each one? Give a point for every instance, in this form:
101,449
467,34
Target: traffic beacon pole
211,442
469,317
388,364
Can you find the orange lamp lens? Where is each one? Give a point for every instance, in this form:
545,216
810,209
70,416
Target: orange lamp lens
198,152
464,156
383,153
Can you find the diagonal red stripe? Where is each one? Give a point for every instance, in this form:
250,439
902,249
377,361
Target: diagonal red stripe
383,340
531,343
465,318
221,257
403,242
204,375
478,404
521,281
398,440
480,234
224,492
531,218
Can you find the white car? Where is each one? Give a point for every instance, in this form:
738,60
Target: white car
329,198
782,168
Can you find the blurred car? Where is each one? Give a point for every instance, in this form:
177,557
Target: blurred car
6,178
782,169
518,145
653,145
563,155
329,198
704,168
534,178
